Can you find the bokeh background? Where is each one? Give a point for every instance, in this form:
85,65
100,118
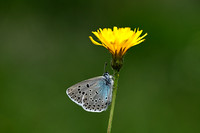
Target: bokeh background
44,49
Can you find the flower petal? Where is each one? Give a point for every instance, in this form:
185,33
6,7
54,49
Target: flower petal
93,41
118,40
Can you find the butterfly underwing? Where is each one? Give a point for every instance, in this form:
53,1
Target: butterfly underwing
94,95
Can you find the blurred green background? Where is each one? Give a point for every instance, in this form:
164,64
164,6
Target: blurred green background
44,49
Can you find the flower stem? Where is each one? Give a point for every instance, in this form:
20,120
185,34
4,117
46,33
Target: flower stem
116,77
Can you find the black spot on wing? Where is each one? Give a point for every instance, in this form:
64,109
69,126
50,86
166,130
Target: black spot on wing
88,85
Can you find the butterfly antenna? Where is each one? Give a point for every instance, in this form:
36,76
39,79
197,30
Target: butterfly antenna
105,65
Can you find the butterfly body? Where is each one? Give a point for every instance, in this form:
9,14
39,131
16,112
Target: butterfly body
94,95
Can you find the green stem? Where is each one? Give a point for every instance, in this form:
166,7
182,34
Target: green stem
116,77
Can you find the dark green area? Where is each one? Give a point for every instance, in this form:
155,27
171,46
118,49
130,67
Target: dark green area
44,49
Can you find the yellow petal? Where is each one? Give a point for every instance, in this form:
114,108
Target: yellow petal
118,40
139,38
139,42
93,41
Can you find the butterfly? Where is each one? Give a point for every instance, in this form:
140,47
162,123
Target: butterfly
93,95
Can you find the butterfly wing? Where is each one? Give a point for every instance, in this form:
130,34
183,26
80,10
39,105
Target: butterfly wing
98,96
77,91
94,94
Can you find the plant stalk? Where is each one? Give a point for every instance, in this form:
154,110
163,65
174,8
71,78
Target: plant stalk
114,93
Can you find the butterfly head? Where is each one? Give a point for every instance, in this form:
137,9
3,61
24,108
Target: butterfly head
108,78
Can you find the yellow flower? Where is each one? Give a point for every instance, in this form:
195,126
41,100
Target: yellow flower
118,40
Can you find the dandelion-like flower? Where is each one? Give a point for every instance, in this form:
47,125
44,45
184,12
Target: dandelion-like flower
118,41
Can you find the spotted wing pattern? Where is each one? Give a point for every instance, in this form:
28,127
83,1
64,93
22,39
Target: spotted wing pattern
94,94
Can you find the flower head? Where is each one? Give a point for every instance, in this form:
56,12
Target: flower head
118,41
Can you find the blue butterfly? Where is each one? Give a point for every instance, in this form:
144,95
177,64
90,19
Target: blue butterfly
94,95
